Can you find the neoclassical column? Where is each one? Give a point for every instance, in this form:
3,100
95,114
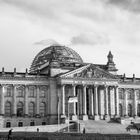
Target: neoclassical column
84,100
117,100
96,117
37,100
63,99
26,99
74,94
135,103
2,94
14,94
74,116
91,102
85,117
126,103
106,100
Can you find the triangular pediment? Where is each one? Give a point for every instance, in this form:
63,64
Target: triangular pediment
89,71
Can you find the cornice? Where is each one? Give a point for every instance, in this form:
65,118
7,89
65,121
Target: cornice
23,78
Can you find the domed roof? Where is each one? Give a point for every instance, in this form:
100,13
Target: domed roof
56,53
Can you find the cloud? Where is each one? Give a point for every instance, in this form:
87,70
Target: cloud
90,39
47,42
130,5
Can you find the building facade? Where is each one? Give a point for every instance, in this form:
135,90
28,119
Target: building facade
41,96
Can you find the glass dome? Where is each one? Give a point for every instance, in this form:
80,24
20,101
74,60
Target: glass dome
55,53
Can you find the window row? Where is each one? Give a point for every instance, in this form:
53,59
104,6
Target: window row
20,109
129,110
130,94
20,124
21,91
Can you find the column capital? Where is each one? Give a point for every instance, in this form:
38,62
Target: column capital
84,85
96,86
74,85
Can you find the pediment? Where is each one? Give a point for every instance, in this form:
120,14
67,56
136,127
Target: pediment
89,71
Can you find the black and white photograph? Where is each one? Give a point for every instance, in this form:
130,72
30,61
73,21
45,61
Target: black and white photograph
69,69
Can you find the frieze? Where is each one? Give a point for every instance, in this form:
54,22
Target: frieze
67,81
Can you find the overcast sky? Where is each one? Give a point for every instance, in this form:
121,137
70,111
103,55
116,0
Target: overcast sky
90,27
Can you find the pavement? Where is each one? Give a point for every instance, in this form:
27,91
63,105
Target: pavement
91,126
105,127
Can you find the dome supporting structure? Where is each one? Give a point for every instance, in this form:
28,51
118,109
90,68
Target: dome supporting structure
55,59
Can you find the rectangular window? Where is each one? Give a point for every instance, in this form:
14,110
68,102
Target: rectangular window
32,123
9,92
20,124
43,123
8,124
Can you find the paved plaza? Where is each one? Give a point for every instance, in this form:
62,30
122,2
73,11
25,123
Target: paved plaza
91,126
105,127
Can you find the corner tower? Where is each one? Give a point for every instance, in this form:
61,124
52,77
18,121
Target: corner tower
110,64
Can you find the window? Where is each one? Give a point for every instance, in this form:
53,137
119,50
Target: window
32,123
129,110
9,91
138,94
42,109
120,110
20,92
20,109
20,124
8,124
43,91
8,109
121,94
129,94
32,92
138,110
43,123
31,109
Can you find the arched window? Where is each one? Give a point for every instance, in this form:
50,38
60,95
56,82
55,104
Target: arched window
32,91
42,109
130,110
120,110
9,91
20,92
20,109
31,109
138,110
8,109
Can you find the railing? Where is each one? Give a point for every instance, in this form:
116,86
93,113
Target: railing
67,136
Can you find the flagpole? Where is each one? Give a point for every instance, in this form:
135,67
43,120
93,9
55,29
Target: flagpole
58,115
68,115
78,113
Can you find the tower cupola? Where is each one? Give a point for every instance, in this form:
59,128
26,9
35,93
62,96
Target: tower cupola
110,64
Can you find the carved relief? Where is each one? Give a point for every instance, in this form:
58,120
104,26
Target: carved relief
92,73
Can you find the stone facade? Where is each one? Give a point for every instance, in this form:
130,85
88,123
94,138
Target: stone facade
58,73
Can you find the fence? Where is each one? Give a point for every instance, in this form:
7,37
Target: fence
68,136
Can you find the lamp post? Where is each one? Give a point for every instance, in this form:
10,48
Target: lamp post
58,112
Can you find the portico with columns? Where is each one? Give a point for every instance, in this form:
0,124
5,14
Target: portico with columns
94,101
97,95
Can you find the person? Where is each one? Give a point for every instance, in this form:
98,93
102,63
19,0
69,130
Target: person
37,129
84,130
9,134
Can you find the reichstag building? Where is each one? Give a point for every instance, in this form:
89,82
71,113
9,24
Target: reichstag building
41,95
